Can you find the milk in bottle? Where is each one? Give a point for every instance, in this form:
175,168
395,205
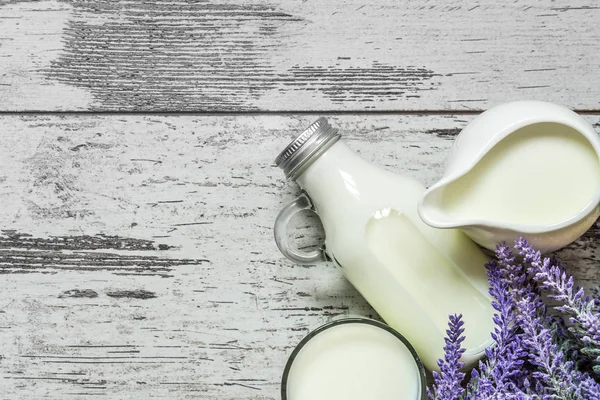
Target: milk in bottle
413,275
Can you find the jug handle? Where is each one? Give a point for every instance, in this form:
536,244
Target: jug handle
282,221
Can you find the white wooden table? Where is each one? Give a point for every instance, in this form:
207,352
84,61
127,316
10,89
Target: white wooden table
138,189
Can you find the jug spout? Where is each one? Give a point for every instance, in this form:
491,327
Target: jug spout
434,211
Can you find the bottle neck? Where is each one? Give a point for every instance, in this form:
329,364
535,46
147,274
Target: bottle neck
335,173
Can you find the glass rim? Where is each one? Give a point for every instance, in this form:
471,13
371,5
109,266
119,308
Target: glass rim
351,320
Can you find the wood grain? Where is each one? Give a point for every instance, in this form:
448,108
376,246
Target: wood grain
137,256
273,55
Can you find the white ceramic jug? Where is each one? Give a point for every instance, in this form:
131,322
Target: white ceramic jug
413,275
540,165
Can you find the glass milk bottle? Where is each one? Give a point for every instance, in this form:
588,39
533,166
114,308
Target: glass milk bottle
413,275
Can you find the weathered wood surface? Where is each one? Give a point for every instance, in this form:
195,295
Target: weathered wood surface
137,259
110,55
136,251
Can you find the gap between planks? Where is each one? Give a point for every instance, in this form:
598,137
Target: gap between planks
266,113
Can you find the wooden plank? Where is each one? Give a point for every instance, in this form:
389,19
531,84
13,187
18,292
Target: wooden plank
137,258
273,55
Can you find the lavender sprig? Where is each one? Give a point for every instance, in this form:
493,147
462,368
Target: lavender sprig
555,376
505,358
535,354
582,310
447,384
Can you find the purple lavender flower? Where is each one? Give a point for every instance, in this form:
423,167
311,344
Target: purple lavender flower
583,311
555,375
505,358
589,389
535,355
447,384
